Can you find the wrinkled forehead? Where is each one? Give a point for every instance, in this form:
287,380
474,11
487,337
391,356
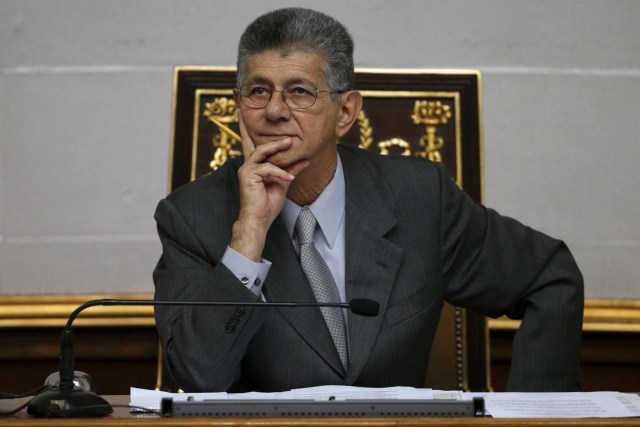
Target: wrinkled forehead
277,66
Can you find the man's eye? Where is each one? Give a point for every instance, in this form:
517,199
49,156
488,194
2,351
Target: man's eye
258,91
300,91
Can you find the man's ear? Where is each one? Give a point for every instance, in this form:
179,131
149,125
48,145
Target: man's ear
350,106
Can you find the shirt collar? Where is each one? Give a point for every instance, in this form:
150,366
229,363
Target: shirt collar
328,208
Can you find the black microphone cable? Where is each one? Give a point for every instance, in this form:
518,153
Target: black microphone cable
140,410
9,395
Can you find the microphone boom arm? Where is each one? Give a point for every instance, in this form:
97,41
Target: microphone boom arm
68,402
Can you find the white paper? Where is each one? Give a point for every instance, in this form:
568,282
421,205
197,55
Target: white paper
332,392
151,399
561,405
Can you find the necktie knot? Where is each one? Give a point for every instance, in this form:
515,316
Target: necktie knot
305,226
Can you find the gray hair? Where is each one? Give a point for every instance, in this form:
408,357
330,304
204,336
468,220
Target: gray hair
297,29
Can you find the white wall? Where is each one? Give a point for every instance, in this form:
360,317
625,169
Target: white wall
85,97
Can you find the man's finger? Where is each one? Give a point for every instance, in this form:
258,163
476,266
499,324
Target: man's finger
267,171
248,146
261,153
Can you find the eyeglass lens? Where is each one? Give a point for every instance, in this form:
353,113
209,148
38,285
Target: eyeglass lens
295,96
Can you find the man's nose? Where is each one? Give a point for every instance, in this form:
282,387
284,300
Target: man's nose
277,108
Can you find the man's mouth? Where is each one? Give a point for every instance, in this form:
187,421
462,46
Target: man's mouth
274,137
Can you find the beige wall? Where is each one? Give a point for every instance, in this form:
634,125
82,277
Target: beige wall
85,97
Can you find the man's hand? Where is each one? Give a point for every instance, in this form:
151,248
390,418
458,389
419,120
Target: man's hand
263,189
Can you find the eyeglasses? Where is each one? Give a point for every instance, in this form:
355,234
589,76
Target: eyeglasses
297,96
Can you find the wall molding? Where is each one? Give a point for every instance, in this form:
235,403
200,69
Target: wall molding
600,315
38,311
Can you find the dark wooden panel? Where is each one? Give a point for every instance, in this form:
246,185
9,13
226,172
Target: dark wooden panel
610,361
116,358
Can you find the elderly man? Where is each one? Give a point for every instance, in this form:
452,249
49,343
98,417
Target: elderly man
300,218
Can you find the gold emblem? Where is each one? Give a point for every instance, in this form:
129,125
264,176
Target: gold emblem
224,111
431,114
394,142
366,131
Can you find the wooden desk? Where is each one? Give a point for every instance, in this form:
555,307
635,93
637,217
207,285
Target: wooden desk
122,417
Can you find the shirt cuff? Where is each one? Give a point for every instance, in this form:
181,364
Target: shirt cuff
250,273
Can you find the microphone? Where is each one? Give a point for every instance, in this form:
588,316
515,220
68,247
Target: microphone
66,400
364,307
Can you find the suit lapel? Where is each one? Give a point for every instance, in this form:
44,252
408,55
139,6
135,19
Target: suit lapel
286,282
371,260
371,266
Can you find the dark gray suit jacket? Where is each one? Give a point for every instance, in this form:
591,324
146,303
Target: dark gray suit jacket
413,239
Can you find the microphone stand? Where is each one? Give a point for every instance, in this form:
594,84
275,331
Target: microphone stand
66,401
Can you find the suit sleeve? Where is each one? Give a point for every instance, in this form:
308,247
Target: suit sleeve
203,346
497,266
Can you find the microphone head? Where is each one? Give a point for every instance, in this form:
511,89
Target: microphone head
364,307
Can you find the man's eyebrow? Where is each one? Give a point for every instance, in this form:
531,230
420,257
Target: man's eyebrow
268,82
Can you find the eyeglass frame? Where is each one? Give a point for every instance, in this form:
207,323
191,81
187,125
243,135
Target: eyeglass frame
284,97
